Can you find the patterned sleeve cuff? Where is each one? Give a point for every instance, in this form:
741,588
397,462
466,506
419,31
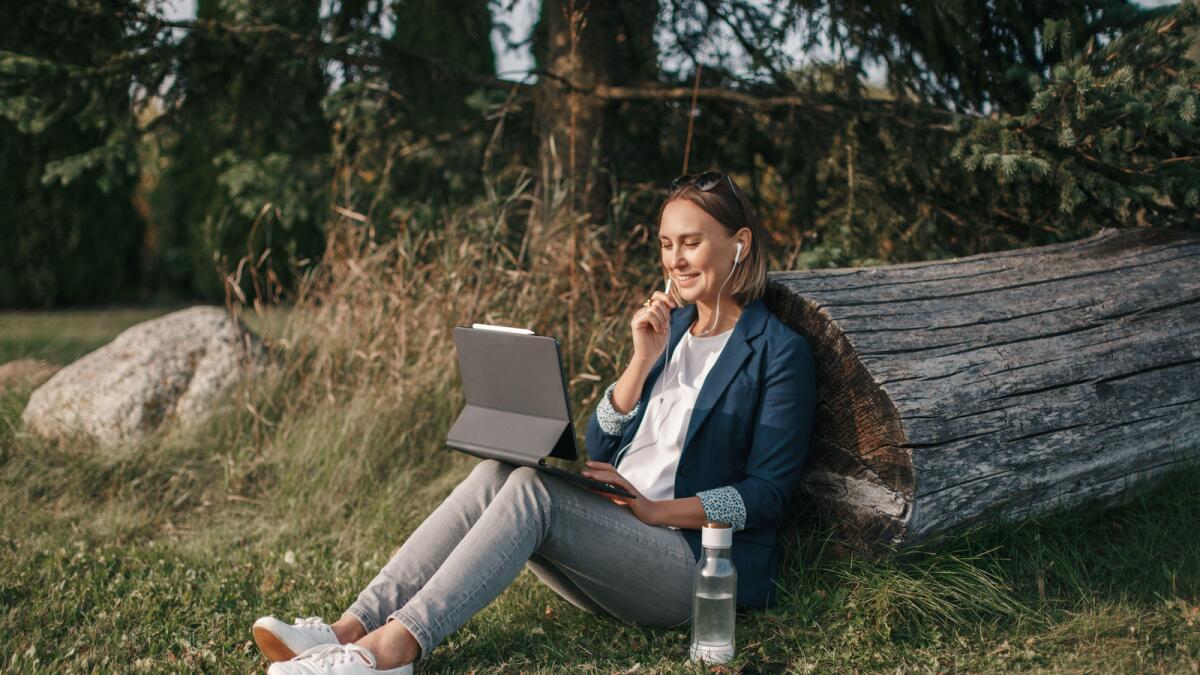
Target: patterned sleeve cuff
724,503
611,421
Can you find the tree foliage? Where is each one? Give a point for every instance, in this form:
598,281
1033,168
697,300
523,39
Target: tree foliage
245,144
176,148
1110,133
67,160
962,152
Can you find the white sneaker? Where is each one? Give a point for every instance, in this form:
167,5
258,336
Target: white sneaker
335,660
281,642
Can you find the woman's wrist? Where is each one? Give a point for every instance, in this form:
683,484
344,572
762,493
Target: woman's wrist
652,512
640,367
629,387
685,512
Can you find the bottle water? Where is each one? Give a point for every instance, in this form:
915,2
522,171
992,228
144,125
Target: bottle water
714,596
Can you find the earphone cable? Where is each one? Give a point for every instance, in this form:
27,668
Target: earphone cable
621,454
617,459
717,316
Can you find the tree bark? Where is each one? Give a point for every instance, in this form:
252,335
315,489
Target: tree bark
582,46
999,385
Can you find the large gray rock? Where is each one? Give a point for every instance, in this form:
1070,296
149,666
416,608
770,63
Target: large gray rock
174,368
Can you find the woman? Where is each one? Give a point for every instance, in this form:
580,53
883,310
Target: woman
717,432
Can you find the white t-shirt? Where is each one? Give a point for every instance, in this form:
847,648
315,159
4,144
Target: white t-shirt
650,461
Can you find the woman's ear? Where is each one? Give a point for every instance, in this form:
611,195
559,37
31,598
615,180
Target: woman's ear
745,236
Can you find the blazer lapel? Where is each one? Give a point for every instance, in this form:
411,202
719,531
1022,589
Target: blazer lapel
733,355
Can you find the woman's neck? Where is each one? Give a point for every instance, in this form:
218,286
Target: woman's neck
704,318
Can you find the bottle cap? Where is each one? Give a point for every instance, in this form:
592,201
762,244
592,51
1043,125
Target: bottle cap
716,534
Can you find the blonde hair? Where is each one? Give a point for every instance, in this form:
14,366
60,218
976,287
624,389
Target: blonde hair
728,205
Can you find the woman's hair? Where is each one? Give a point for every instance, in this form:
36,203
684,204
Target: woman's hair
730,208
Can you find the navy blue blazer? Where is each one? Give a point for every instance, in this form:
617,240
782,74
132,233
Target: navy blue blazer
750,428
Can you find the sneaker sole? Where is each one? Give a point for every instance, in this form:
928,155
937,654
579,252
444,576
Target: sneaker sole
272,646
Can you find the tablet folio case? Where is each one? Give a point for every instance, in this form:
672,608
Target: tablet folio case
516,399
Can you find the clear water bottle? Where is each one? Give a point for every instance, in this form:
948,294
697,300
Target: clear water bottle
714,596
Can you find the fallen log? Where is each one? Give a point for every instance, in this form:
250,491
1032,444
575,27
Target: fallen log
999,385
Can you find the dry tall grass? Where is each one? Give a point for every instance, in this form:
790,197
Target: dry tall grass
367,380
337,453
352,419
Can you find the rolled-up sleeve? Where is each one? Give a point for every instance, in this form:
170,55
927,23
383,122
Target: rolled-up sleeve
606,426
724,504
781,434
611,421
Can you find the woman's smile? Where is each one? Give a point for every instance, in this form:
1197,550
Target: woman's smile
685,280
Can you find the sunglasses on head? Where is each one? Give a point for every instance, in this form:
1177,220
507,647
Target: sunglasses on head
701,181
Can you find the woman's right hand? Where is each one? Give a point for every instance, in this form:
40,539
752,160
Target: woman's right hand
649,326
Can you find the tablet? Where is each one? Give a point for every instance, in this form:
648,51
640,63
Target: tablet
517,409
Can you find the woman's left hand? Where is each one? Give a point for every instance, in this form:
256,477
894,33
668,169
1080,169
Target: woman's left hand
644,509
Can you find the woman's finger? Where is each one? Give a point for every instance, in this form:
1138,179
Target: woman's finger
609,496
661,306
664,314
656,315
608,472
610,477
650,318
665,298
602,476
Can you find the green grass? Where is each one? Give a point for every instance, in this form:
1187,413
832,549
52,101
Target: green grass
158,557
63,336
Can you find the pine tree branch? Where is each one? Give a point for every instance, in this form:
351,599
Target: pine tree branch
658,92
646,91
746,44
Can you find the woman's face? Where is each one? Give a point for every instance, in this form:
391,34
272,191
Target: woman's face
697,251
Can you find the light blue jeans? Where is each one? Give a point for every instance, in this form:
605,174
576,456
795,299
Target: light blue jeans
594,553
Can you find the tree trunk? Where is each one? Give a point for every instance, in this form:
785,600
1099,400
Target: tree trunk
998,385
587,44
582,44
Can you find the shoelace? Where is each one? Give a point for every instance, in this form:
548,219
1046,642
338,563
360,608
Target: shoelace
330,654
312,622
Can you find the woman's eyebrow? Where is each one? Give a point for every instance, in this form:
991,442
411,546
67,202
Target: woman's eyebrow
685,234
